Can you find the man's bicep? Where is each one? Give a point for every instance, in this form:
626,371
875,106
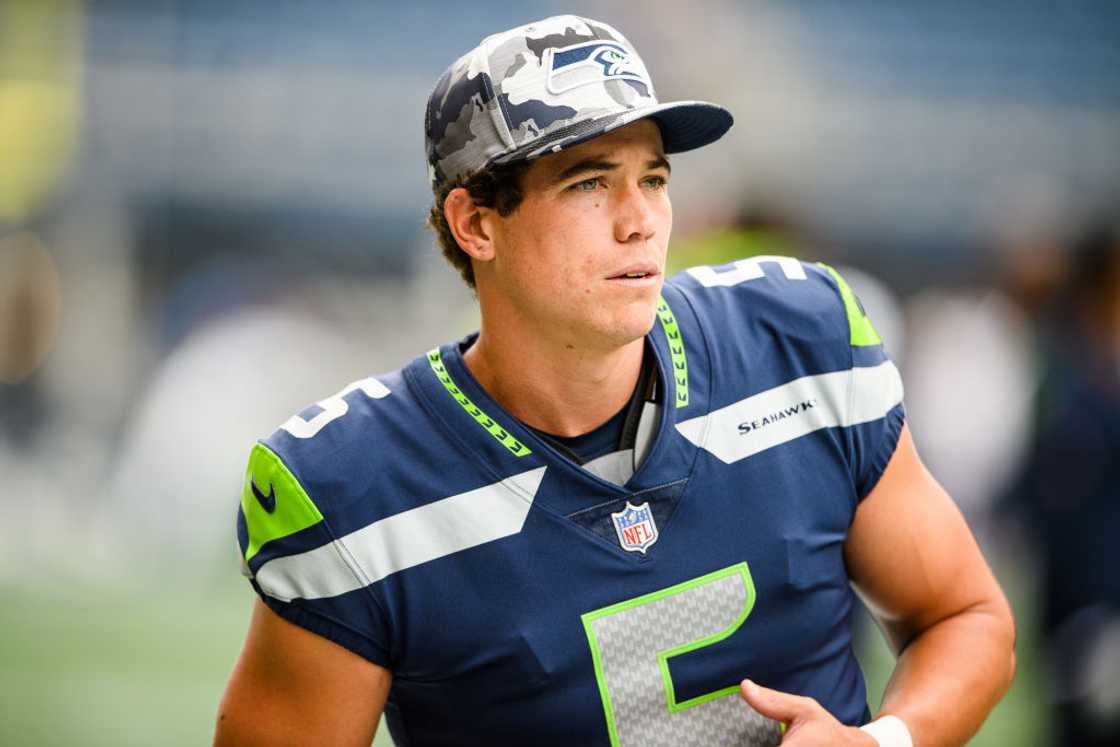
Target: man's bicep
291,686
910,553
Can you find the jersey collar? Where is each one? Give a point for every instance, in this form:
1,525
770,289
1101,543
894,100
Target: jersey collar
485,428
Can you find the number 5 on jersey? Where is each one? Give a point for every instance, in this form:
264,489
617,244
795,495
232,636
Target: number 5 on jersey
632,642
333,408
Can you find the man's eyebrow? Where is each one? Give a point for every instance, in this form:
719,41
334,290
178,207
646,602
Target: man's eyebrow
661,162
594,163
597,163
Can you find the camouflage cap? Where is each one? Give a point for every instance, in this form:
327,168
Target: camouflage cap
545,86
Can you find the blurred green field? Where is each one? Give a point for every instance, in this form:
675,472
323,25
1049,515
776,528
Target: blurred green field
115,666
121,665
139,665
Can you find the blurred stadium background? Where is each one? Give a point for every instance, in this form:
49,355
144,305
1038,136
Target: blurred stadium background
211,214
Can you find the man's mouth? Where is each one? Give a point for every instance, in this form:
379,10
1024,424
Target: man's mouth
635,272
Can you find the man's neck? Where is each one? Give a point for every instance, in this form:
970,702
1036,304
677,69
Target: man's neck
561,389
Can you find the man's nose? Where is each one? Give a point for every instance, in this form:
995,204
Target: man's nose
634,216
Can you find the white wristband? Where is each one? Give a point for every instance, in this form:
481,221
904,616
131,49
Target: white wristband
889,731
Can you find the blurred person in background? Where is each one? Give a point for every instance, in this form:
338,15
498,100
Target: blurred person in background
29,301
507,540
1068,489
757,230
39,122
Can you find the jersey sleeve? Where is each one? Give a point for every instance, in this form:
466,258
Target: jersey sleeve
297,564
875,412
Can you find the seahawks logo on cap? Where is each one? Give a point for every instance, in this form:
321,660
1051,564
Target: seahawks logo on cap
591,62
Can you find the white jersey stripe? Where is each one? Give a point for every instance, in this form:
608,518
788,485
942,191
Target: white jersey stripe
794,409
404,540
616,467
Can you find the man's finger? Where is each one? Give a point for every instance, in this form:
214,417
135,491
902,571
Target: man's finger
774,703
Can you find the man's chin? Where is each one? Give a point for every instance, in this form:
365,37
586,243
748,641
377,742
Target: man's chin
632,322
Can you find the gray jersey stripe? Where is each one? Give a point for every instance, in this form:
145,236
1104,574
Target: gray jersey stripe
794,409
404,540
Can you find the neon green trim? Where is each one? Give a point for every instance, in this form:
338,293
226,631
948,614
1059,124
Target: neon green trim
663,657
600,678
676,350
504,438
862,332
294,510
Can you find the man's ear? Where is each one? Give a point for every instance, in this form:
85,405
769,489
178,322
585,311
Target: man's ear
464,218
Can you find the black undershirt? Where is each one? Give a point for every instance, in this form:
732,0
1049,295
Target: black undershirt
619,431
594,444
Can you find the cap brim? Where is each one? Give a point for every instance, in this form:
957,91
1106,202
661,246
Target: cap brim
685,125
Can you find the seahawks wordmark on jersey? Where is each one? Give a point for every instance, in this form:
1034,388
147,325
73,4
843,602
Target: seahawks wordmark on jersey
519,598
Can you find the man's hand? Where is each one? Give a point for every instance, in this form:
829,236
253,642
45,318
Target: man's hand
807,723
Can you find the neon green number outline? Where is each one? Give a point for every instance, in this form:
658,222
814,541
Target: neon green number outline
663,657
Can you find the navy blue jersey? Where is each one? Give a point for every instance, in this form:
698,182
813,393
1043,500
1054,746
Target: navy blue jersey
520,598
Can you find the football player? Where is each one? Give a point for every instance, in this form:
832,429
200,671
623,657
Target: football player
628,510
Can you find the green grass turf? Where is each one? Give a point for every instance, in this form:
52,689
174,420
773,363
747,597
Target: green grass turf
137,665
117,666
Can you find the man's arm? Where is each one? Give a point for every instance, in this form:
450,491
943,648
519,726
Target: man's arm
915,563
291,686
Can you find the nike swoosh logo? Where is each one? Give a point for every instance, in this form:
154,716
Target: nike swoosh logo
268,502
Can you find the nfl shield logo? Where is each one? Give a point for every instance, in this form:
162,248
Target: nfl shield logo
635,527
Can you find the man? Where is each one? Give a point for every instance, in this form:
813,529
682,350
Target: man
591,521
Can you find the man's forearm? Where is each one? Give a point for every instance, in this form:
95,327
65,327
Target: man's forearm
949,677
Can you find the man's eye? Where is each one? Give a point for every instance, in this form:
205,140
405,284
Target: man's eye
656,182
587,185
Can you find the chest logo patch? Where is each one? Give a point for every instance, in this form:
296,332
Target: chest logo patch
635,527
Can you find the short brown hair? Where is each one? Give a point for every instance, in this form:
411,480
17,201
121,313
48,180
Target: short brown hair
497,187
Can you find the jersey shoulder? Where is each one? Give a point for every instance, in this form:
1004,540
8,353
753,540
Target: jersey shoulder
380,447
325,474
801,317
315,468
792,353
